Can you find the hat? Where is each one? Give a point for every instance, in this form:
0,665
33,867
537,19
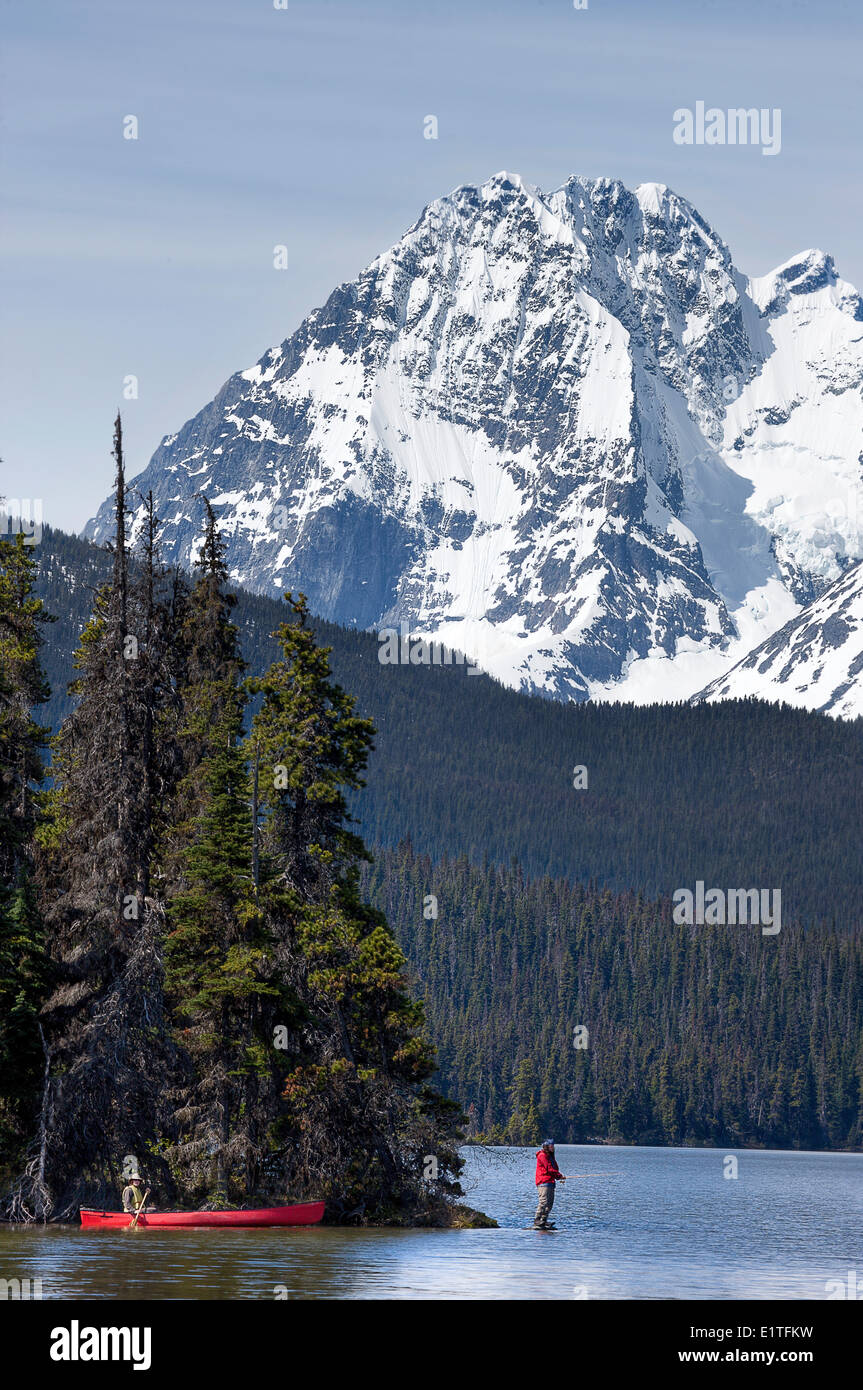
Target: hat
548,1143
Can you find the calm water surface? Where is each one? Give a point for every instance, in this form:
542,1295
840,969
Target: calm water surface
656,1223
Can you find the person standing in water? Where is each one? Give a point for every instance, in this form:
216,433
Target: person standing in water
547,1174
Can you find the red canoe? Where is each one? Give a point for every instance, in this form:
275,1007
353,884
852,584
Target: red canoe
304,1214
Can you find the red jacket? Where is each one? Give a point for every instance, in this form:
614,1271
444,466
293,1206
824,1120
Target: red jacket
546,1168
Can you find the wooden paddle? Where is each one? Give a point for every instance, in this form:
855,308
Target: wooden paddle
140,1209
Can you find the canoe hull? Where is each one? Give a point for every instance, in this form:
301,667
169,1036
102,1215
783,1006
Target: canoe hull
303,1214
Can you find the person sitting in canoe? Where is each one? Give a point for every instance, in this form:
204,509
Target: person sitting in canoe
547,1174
133,1195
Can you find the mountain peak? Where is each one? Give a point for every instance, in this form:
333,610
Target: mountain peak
550,430
653,197
810,272
503,176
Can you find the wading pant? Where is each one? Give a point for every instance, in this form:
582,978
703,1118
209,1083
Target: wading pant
545,1203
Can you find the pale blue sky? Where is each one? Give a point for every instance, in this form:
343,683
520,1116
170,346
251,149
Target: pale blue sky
305,127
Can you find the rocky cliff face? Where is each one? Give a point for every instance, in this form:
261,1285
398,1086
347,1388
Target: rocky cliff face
557,431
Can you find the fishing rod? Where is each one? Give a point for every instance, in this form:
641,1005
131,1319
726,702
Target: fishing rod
592,1175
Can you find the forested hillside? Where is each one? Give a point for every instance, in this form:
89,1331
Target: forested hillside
690,1035
531,905
737,794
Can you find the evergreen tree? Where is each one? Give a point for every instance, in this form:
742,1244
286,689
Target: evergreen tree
23,963
360,1123
218,982
210,669
221,982
108,1045
523,1126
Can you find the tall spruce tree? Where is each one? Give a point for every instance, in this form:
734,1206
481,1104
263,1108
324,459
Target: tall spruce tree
210,671
359,1123
107,1041
221,981
23,964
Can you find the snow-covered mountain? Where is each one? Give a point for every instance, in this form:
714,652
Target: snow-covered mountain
560,432
815,661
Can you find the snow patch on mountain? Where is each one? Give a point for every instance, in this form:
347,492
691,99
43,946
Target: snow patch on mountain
796,430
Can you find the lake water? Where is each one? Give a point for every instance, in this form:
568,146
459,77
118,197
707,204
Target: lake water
655,1223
